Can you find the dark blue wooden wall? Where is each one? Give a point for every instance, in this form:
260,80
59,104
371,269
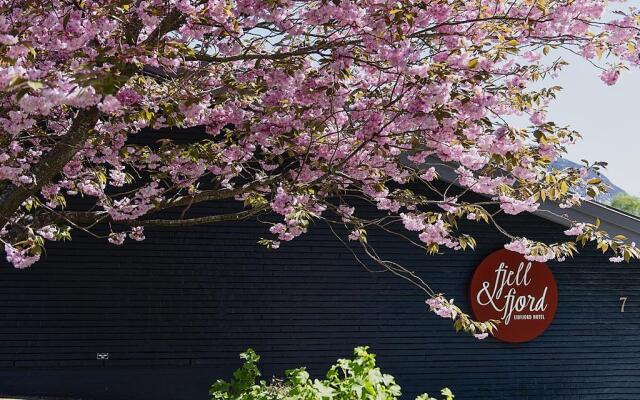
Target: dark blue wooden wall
174,311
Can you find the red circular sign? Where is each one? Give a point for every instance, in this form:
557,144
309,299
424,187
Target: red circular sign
521,294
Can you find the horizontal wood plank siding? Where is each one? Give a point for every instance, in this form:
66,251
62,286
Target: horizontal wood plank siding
174,311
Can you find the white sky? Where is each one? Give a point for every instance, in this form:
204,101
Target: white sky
606,116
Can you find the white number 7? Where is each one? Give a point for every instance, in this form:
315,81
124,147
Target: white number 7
624,301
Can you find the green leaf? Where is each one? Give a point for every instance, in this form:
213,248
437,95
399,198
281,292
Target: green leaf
594,181
447,392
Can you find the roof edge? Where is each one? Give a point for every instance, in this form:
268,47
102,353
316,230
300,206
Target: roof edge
613,221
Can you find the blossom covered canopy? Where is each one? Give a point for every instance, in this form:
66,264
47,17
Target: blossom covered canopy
307,106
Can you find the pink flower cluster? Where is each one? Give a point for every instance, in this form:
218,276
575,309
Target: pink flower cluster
361,108
413,222
20,258
575,230
136,206
437,233
441,307
524,247
514,206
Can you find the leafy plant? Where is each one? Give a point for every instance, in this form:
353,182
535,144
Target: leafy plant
627,203
349,379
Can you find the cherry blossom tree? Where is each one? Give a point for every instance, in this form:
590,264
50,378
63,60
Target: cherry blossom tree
310,108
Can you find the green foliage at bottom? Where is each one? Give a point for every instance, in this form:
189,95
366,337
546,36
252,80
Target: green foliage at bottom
349,379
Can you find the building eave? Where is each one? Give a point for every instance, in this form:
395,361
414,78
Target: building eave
614,221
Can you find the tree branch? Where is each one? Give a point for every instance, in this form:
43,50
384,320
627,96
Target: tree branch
242,215
172,21
13,196
211,195
274,56
80,218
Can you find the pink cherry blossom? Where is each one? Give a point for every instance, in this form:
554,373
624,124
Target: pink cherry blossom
137,233
538,118
157,109
355,235
575,230
117,238
518,245
441,307
514,206
610,77
47,232
109,105
20,258
412,222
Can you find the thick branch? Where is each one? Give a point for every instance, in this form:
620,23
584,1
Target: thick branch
13,196
210,219
274,56
211,195
80,218
85,219
172,21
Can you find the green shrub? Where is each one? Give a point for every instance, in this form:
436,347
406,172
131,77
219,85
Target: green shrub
627,202
348,379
